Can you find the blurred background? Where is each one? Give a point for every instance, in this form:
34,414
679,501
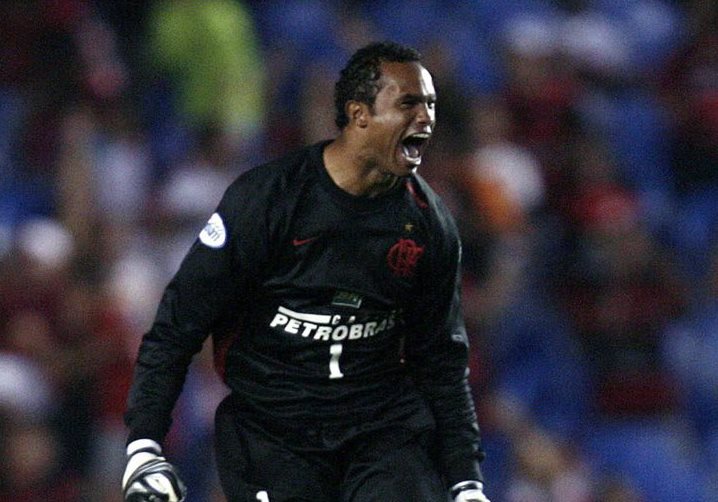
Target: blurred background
577,145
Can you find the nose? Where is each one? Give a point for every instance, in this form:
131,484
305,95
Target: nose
425,115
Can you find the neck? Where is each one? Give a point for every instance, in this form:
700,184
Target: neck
354,172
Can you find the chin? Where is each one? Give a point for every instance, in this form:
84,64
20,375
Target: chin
405,167
403,171
410,169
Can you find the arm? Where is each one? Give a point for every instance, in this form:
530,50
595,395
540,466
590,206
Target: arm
437,356
214,280
209,280
192,303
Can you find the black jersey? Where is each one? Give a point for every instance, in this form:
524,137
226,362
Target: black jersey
324,308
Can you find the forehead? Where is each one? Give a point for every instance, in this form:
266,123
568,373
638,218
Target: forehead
406,78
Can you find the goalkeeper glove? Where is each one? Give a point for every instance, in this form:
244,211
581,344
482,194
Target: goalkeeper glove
149,477
468,491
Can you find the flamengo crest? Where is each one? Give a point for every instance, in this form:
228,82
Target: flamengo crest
403,257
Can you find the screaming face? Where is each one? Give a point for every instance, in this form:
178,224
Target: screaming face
402,119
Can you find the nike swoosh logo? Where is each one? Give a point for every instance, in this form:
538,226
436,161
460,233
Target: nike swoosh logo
300,242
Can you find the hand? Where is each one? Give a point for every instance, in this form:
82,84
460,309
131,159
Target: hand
149,477
469,491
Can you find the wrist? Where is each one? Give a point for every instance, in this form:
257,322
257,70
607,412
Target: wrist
143,446
465,485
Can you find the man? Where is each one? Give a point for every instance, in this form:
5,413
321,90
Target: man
329,281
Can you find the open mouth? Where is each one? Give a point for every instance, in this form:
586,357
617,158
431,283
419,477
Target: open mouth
413,146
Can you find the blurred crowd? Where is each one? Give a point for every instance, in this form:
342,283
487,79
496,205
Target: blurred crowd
577,146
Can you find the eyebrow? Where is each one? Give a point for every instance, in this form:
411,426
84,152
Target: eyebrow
418,97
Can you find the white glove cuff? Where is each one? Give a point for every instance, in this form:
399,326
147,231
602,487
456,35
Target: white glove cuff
465,485
146,445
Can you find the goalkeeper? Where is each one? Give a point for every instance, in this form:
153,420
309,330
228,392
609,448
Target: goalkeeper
328,281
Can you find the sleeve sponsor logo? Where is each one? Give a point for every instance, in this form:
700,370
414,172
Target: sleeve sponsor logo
214,234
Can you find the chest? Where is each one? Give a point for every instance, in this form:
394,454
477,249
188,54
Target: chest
324,248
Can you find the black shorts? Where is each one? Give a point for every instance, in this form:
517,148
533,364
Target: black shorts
259,463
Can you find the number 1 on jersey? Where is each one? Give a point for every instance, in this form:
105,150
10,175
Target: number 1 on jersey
335,350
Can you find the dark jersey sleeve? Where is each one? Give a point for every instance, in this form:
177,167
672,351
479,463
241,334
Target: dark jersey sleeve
437,355
213,275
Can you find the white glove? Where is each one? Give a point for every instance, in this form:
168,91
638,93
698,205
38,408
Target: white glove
469,491
149,477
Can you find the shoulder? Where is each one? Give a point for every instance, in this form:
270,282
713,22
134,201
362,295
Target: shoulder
438,214
278,171
274,180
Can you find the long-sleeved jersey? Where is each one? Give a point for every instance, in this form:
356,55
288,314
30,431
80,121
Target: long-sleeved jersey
324,307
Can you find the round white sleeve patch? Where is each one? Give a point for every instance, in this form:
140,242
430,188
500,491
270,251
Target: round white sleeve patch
214,234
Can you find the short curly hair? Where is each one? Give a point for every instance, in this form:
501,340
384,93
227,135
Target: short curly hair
358,80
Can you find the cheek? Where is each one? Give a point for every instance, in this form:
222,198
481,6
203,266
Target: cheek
388,133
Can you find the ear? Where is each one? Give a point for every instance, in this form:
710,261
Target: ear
357,113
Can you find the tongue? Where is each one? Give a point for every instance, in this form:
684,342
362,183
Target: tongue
411,151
